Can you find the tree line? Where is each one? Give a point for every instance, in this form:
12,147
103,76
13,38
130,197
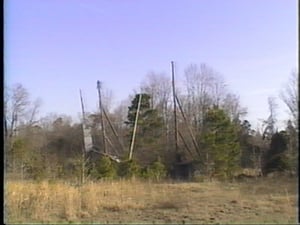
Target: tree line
213,134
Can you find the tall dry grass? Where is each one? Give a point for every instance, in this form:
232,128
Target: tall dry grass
44,201
50,202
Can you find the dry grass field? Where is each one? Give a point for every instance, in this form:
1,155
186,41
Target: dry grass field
271,200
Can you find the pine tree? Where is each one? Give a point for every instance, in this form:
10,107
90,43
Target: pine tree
249,153
149,129
275,158
221,143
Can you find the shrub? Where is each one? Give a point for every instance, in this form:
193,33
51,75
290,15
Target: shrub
156,170
129,169
103,168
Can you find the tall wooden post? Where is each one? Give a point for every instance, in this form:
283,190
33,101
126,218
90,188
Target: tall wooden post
83,144
174,103
113,130
101,116
189,128
134,128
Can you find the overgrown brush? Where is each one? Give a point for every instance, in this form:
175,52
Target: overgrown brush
40,201
58,201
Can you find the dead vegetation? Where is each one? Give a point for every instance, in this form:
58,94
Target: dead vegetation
260,200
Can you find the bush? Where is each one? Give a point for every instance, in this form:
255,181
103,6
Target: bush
103,168
156,170
129,169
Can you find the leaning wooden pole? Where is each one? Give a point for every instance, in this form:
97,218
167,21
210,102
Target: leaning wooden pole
134,128
101,116
189,128
174,104
185,144
83,144
113,130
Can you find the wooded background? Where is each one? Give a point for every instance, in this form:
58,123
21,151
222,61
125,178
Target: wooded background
224,142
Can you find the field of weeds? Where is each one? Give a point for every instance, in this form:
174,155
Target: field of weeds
132,201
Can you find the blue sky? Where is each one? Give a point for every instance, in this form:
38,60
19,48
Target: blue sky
56,47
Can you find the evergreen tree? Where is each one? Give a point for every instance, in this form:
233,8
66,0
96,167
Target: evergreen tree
275,158
149,129
293,146
249,152
221,143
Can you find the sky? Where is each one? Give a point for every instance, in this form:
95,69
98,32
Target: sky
56,47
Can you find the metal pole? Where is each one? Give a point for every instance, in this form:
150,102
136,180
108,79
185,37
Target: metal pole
174,103
101,117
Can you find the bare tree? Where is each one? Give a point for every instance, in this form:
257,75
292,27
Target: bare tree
218,88
19,110
231,105
107,99
270,123
5,112
158,86
205,87
33,112
290,97
21,136
120,114
16,107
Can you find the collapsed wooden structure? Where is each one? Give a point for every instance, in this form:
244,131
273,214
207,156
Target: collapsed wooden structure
182,168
